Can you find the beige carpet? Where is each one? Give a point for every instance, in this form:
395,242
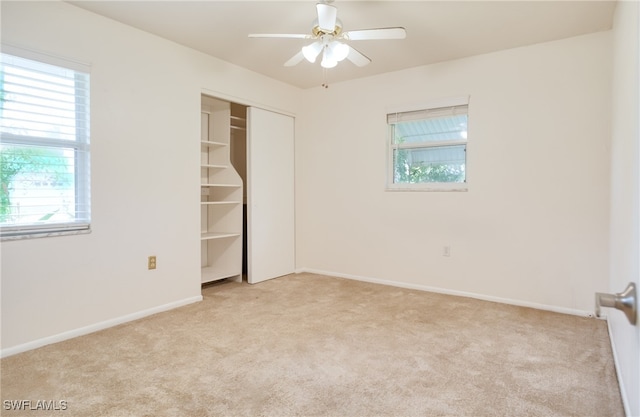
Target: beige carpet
309,345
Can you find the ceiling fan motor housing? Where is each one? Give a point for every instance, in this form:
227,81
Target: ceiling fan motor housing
317,31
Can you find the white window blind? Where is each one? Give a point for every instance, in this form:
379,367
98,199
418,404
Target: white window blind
44,147
423,114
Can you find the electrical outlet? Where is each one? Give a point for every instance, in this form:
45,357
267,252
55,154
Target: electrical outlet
151,264
446,251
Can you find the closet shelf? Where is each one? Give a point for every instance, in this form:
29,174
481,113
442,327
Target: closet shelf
212,235
222,185
217,166
210,273
214,203
211,143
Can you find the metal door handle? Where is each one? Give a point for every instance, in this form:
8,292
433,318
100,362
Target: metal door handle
625,301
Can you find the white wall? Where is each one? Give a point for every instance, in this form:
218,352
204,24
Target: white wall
533,227
625,194
145,106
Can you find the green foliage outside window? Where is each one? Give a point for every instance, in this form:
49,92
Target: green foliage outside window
415,173
36,164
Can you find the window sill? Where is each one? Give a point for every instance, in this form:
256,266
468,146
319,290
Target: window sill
429,187
37,235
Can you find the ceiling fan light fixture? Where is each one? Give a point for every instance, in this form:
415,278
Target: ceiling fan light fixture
338,50
312,51
328,61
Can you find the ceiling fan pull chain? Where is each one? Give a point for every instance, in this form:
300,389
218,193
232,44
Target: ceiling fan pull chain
325,82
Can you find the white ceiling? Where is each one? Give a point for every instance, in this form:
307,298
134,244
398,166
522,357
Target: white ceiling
436,30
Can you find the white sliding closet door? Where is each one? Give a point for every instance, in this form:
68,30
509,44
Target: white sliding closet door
270,195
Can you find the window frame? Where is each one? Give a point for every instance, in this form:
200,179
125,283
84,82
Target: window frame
391,146
81,147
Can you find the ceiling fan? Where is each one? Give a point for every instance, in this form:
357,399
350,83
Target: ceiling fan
329,39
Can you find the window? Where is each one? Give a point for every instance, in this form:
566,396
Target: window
44,147
428,147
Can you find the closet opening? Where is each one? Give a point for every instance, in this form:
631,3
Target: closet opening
223,168
247,192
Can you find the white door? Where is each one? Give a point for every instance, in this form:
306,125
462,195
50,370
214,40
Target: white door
624,239
270,195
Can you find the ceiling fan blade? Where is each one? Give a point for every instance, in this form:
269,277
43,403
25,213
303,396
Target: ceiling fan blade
280,35
294,60
357,57
373,34
327,16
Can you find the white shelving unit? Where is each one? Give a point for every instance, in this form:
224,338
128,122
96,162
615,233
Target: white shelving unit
221,196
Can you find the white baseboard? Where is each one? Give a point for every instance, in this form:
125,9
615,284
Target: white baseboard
420,287
96,327
623,391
